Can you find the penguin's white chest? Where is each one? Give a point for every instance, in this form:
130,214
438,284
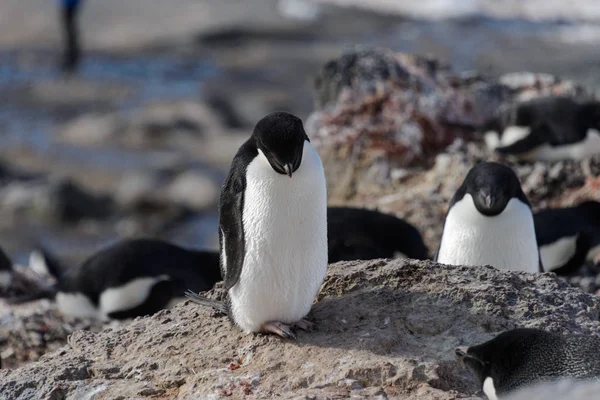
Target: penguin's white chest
506,241
556,254
285,232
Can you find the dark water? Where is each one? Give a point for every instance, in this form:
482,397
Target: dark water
26,121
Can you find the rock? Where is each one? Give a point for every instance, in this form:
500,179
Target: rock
386,329
135,188
190,189
55,201
91,129
158,126
193,190
559,390
29,330
380,111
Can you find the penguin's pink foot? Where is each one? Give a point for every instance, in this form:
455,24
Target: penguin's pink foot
304,325
279,328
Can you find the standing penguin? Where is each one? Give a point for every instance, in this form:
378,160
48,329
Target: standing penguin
489,221
524,357
71,54
568,237
547,129
273,228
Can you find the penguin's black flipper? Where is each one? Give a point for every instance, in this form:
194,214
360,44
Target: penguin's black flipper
231,226
203,301
527,144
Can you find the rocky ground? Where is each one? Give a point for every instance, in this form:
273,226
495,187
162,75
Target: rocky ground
139,141
386,329
396,132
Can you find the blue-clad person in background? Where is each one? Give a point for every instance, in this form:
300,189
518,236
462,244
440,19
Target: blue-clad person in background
71,55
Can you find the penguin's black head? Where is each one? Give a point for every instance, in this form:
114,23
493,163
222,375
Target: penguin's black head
280,137
492,186
480,368
511,359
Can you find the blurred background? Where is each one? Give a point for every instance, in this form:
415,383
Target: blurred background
135,136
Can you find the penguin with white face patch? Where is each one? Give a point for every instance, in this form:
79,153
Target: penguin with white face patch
273,228
525,357
568,237
546,129
132,278
489,222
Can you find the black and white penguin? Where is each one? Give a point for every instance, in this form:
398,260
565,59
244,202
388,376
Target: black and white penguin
360,234
273,228
489,222
546,129
6,271
568,237
524,357
72,52
132,278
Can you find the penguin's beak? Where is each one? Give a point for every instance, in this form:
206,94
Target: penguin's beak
288,169
488,199
461,352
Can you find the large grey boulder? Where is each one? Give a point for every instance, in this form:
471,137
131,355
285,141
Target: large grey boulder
386,329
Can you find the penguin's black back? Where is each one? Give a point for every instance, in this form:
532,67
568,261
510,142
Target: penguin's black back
360,234
553,120
138,258
554,223
527,356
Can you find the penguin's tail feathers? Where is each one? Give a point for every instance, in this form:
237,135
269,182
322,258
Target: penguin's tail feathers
206,302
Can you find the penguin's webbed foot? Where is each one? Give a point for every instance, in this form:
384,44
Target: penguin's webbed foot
279,328
305,325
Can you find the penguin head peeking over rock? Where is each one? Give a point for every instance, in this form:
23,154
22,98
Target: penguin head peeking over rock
525,357
491,186
489,222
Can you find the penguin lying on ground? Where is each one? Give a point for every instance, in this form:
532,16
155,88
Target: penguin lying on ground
273,229
568,237
360,234
524,357
489,222
548,129
132,278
